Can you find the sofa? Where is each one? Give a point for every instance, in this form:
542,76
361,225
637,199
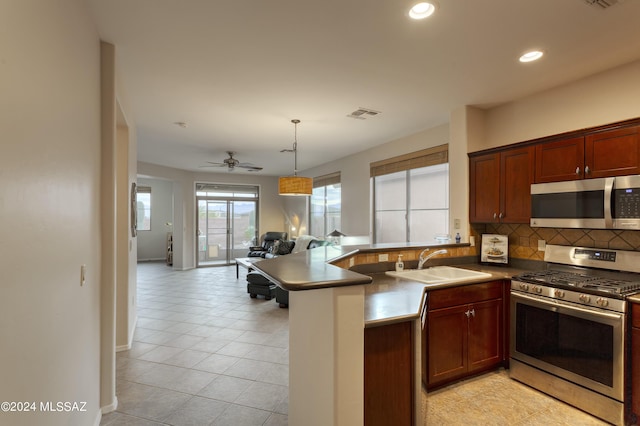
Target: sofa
258,284
267,241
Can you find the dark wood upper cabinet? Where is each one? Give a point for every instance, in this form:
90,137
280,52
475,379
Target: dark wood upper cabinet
516,177
560,160
500,186
603,154
484,188
612,153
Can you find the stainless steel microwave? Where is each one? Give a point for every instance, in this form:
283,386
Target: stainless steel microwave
604,203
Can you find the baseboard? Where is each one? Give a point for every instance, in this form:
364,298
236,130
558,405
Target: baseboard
98,419
122,348
107,409
130,342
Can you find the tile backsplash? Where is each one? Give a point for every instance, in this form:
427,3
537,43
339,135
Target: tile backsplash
523,239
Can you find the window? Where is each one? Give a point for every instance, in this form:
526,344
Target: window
411,196
143,201
326,202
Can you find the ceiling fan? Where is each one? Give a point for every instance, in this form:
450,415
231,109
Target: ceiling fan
231,163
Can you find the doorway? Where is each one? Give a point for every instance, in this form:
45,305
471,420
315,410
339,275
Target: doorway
226,222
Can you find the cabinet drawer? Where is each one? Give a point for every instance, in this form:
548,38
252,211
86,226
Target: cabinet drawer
464,294
635,315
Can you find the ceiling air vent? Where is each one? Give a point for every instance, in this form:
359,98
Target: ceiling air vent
601,4
362,113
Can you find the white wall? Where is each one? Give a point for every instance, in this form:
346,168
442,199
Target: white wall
603,98
272,215
49,209
152,245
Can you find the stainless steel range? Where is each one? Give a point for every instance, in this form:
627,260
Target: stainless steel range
568,327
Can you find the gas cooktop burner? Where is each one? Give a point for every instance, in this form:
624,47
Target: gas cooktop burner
595,284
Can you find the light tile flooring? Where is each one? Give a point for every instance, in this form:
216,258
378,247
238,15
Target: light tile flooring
205,353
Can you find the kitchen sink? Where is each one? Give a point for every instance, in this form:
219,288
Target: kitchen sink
438,274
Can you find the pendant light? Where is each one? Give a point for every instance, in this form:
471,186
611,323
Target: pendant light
295,185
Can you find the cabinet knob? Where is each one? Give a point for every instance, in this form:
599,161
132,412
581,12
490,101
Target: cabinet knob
586,170
578,171
495,215
501,215
470,313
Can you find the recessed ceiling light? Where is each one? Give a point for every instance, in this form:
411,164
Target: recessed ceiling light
531,56
422,10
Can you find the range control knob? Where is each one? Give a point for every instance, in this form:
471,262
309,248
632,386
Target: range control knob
584,298
559,293
524,287
537,289
601,301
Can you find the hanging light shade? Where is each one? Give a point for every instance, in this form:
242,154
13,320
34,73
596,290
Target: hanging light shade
295,185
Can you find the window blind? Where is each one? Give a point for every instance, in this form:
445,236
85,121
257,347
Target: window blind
413,160
326,180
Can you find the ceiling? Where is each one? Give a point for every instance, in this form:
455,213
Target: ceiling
237,72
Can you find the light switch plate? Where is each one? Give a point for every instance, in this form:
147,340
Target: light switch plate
542,245
383,257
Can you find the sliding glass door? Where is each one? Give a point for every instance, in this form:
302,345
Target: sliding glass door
226,223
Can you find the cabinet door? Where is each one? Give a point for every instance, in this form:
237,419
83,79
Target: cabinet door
516,177
447,344
612,153
561,160
485,335
635,359
484,188
635,371
388,375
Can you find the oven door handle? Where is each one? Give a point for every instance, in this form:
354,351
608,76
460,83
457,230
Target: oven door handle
555,306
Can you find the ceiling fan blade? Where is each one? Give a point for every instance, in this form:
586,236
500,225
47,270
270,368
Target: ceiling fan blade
231,163
249,166
214,164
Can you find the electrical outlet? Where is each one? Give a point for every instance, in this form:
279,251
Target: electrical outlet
383,257
352,262
456,223
472,241
542,245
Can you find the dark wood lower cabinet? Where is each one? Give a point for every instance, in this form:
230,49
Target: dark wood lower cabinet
635,362
464,333
388,375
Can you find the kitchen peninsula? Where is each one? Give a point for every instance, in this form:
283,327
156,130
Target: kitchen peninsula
346,329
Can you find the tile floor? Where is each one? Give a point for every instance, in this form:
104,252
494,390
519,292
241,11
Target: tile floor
204,353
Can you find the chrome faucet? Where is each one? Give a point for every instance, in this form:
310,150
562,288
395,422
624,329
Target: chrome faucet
423,259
